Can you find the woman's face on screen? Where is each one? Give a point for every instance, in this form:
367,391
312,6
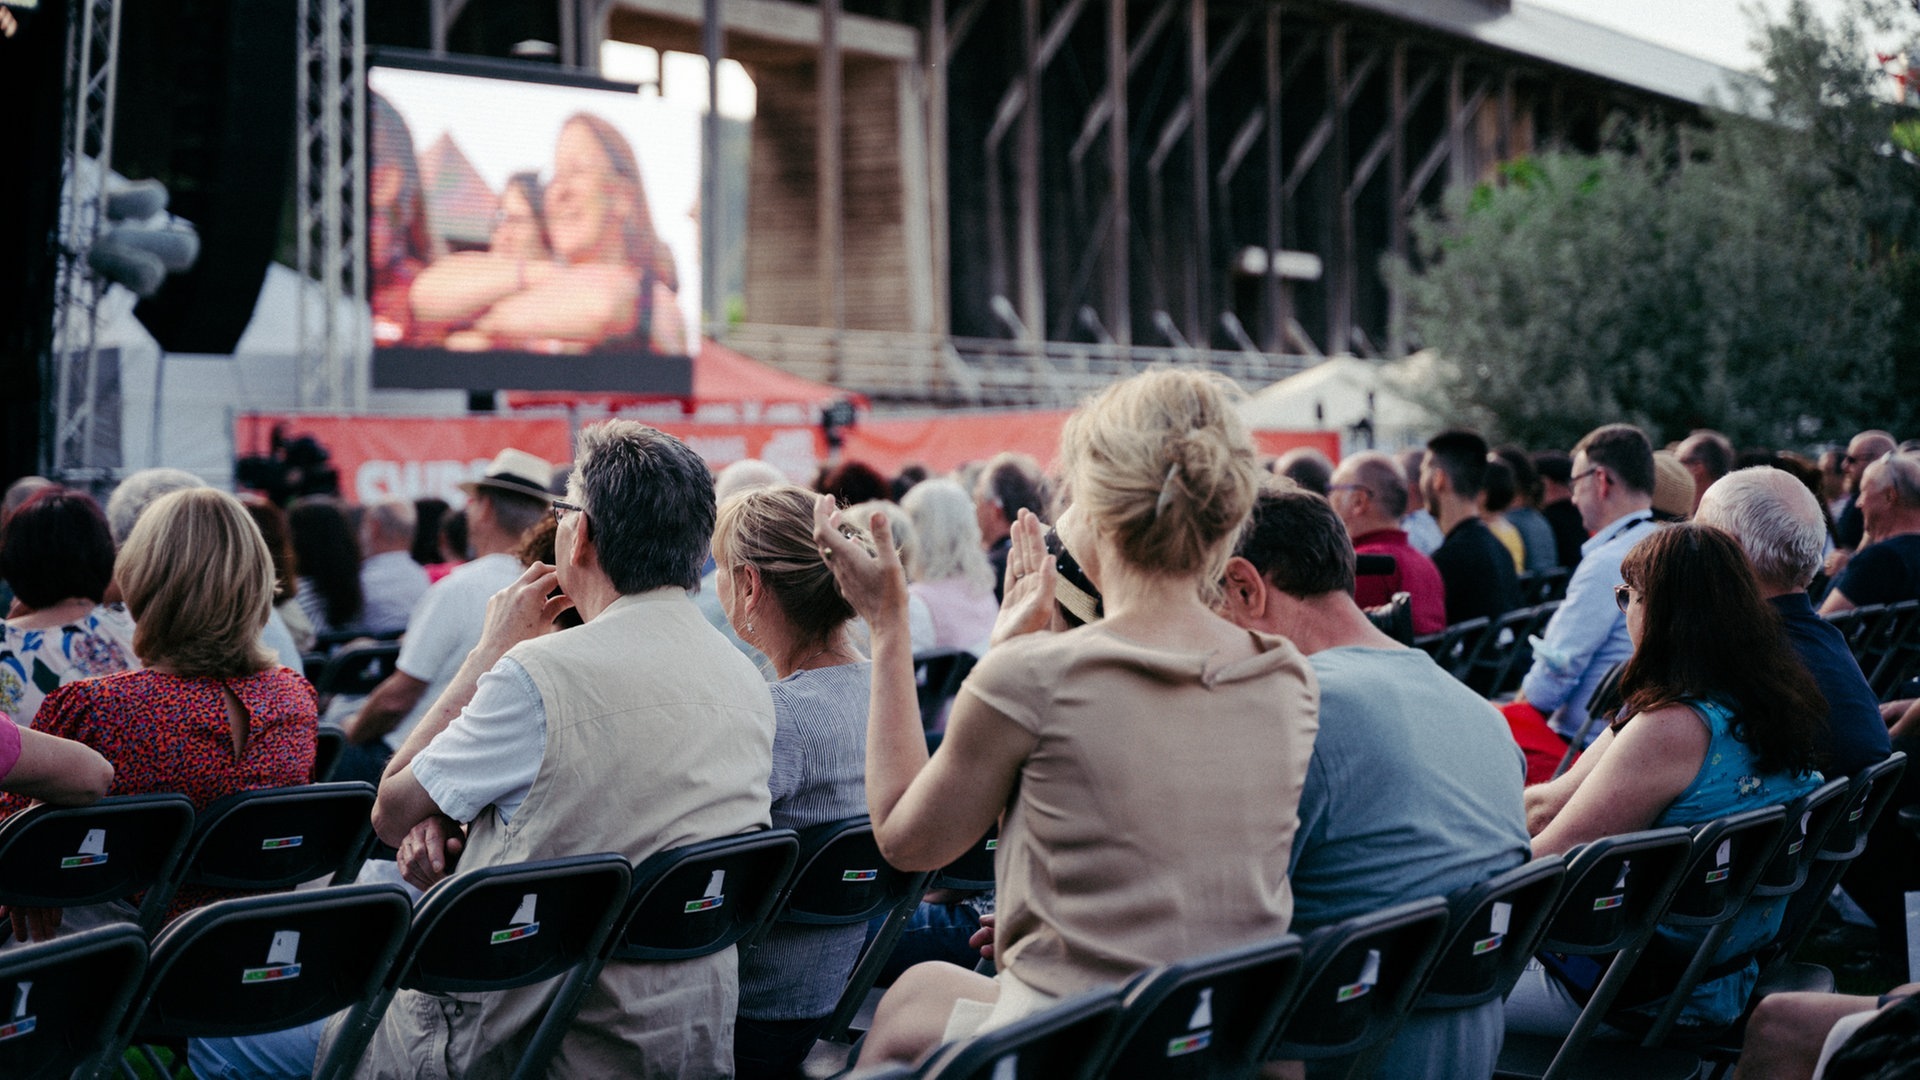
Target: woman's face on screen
584,202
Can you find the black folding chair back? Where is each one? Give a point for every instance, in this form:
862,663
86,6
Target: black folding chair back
1860,625
267,963
496,928
1615,891
972,872
62,1001
1503,654
277,838
1395,617
1728,857
701,898
938,674
1210,1016
356,671
1809,821
328,744
1492,931
1058,1044
1867,796
842,880
115,849
1358,979
1451,647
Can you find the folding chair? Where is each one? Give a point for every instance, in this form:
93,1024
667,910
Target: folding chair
1615,890
1895,646
265,963
1057,1044
1602,704
1504,654
972,872
1860,626
115,849
277,838
328,743
61,1001
1358,979
1451,647
1492,930
842,880
1205,1017
938,674
494,928
1846,839
1729,856
685,903
1395,617
355,671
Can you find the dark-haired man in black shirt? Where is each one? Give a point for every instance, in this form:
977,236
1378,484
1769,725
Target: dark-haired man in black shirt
1476,568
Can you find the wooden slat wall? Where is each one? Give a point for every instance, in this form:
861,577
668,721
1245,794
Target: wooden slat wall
782,201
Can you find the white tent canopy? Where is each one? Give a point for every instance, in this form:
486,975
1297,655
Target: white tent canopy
1339,393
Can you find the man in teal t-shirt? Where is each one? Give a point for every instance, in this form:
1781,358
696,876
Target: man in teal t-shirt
1414,788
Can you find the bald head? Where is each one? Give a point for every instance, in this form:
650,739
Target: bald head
1865,449
1776,520
745,475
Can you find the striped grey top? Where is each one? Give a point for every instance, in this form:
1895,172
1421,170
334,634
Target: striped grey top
819,775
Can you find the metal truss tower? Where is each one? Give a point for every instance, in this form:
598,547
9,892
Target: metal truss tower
93,58
331,198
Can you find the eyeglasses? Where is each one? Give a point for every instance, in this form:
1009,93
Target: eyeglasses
1349,487
1579,476
1622,596
560,508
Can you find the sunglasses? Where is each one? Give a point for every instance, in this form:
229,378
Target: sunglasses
1622,596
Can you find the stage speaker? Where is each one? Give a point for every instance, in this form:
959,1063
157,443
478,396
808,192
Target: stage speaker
206,106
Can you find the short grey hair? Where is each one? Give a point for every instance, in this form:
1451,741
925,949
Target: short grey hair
1776,520
745,475
1382,478
649,502
394,519
1902,472
139,491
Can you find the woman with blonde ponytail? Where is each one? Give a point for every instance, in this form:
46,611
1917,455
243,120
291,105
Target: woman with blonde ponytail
1145,769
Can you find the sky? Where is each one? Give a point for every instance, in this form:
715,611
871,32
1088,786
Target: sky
1718,30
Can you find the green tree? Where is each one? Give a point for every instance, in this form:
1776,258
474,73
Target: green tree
1749,274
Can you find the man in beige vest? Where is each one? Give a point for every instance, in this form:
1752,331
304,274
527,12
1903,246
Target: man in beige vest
639,731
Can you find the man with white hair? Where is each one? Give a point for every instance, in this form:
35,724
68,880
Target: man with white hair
389,578
1887,569
1778,523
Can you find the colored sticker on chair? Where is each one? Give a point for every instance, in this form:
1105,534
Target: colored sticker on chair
1857,813
860,875
705,904
93,851
1352,990
278,843
993,844
525,923
1487,945
1189,1044
282,960
21,1024
1369,978
713,897
1606,902
1714,877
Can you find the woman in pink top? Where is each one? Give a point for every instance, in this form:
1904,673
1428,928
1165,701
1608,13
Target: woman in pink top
948,565
1145,769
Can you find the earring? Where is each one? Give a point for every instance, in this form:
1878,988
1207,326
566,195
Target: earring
749,626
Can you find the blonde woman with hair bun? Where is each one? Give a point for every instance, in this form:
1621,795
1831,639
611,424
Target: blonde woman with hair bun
1145,769
213,713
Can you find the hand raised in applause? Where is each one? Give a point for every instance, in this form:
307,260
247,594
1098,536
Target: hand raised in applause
872,579
1028,591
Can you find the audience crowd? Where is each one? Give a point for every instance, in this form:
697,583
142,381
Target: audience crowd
1210,701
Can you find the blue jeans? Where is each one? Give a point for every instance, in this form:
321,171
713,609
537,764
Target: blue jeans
933,932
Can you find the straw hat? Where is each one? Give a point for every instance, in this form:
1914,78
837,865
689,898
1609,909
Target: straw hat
515,471
1672,485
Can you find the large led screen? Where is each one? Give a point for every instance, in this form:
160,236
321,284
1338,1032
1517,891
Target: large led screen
524,235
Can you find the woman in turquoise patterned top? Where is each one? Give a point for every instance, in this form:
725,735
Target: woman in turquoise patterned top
1720,717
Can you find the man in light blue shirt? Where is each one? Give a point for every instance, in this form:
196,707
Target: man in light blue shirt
1613,489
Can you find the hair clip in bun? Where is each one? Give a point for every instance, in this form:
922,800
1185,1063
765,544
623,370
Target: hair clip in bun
1166,490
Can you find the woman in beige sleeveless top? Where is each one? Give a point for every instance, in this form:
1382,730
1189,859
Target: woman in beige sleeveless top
1145,769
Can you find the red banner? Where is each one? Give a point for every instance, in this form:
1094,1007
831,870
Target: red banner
386,457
